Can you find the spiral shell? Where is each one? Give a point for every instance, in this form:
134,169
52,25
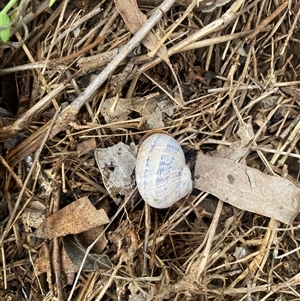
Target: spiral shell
161,173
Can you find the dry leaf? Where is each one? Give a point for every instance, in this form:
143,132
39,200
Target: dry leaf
237,149
149,107
116,165
150,111
75,218
246,133
34,214
88,237
33,219
247,188
76,252
134,20
41,263
114,112
138,297
86,146
68,268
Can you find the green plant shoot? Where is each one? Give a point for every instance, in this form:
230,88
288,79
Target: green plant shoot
5,22
51,2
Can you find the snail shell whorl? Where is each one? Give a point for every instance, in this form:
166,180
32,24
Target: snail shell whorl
162,175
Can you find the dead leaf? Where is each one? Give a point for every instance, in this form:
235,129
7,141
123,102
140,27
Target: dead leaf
88,237
149,107
150,111
126,242
114,112
86,146
247,188
246,133
76,252
33,215
293,91
134,20
237,149
33,219
138,297
75,218
116,165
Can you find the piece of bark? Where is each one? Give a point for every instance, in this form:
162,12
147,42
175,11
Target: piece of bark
247,188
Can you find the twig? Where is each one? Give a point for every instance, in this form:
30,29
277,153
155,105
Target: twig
211,234
267,21
70,113
37,155
95,241
136,39
218,24
19,124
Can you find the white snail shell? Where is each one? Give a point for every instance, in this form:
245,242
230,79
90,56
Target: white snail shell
161,173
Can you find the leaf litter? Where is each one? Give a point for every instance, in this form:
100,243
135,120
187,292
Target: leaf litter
242,187
75,218
222,79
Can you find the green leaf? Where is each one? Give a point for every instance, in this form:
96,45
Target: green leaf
4,21
8,6
51,2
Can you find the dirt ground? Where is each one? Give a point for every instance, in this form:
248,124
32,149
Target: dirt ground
83,84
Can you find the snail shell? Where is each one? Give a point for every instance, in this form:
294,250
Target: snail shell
161,173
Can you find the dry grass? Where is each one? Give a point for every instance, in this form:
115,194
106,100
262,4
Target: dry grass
235,68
